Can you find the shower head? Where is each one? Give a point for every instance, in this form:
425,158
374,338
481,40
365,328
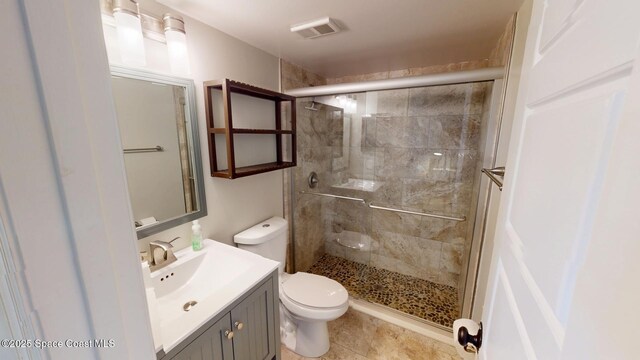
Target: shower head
312,107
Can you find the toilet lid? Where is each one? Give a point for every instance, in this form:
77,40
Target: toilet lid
314,290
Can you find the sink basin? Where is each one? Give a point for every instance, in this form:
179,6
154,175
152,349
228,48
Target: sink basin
208,281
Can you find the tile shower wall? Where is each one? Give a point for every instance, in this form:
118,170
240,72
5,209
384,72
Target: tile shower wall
293,76
424,70
418,152
318,132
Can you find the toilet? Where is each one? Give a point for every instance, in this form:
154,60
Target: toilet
307,301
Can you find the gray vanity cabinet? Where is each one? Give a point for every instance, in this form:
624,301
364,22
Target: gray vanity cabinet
247,330
254,338
211,345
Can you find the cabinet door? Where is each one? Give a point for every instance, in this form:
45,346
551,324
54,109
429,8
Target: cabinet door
211,345
254,325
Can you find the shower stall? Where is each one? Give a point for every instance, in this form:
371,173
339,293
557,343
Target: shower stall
388,196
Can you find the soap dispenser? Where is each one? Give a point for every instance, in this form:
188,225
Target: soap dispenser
196,236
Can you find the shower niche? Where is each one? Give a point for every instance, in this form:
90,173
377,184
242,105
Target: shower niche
250,130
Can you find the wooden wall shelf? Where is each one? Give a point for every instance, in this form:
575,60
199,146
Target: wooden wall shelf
250,131
231,171
255,169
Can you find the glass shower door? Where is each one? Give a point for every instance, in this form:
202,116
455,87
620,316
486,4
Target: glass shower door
428,145
413,158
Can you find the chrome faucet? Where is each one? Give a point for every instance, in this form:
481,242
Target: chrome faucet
161,254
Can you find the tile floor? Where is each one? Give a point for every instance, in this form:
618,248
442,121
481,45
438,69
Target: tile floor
421,298
357,336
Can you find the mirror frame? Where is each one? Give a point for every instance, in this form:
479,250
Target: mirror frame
194,148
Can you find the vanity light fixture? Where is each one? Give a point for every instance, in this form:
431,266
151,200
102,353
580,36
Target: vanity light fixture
176,44
348,103
129,29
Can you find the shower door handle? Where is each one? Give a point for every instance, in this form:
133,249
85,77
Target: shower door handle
496,175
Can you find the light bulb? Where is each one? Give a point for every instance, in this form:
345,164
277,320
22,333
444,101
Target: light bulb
176,44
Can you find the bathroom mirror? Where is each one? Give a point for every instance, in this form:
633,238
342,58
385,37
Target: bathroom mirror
159,134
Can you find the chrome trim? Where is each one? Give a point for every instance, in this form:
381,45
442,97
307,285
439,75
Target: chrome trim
167,257
312,180
127,7
333,196
139,150
189,304
445,217
372,206
496,175
458,77
173,22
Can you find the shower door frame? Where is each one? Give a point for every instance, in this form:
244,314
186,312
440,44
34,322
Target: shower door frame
494,75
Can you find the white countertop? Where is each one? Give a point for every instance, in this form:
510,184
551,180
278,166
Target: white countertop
215,277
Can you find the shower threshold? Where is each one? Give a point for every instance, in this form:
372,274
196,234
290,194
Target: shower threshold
420,298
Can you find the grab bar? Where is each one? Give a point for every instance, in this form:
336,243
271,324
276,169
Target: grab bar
445,217
139,150
333,196
494,175
372,206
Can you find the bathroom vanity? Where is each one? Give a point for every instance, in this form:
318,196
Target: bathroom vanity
245,330
217,303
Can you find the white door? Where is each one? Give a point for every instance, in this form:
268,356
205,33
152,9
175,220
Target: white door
564,279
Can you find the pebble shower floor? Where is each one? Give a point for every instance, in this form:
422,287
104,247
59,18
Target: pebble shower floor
421,298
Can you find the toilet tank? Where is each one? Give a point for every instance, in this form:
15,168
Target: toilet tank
268,239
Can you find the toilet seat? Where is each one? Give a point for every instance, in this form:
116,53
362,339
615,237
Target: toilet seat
314,290
313,297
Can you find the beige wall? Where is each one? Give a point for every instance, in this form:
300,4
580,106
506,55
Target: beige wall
233,205
502,51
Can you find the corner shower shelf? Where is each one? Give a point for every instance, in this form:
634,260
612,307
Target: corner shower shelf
232,171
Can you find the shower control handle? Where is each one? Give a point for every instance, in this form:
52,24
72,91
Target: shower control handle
238,325
312,180
228,334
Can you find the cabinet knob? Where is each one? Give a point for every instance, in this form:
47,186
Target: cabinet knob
238,325
228,334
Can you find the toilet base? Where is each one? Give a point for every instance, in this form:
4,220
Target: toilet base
312,338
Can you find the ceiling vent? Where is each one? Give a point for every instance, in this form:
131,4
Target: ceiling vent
316,28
